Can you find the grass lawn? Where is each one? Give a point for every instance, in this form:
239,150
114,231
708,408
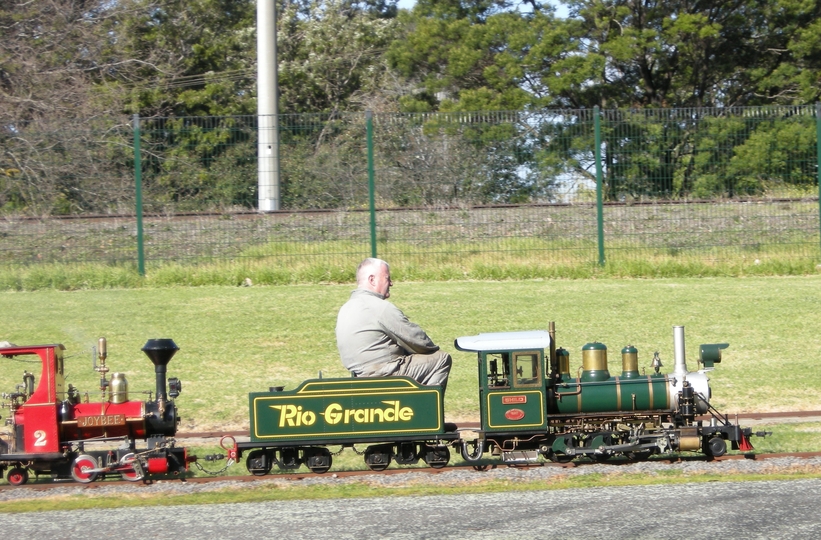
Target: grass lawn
234,340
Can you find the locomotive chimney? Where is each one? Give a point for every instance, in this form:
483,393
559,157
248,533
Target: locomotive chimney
160,351
680,369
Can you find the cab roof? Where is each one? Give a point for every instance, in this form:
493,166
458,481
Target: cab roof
504,341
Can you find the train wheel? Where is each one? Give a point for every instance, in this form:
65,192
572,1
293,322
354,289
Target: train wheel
378,458
83,469
131,476
136,472
258,462
17,476
715,447
436,456
319,460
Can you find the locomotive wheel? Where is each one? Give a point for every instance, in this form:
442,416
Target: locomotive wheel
258,463
715,447
83,469
377,458
18,476
131,476
135,474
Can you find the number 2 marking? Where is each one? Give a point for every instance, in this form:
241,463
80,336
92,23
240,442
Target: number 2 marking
40,438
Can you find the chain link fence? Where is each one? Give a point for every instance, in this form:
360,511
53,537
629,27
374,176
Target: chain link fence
490,194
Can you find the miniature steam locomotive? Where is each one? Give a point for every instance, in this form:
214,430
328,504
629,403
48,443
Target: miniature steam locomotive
529,406
53,428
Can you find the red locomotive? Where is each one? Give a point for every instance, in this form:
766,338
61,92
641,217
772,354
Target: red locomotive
54,430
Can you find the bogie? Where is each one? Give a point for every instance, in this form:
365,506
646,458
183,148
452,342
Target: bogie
436,456
259,462
378,458
318,460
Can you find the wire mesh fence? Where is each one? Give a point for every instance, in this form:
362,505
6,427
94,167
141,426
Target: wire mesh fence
461,194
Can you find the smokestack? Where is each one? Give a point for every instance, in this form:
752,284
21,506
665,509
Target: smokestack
160,351
680,369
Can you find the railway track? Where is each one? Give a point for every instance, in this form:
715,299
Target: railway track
45,484
207,437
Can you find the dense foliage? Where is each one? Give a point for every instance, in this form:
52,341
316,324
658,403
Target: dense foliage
72,72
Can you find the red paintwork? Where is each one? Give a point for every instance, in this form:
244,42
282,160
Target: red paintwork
133,411
159,465
38,414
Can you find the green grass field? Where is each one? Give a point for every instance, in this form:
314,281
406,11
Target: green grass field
234,340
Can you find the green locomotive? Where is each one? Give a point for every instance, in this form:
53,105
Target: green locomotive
530,405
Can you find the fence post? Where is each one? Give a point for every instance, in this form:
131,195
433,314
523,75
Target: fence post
818,158
371,181
599,184
138,185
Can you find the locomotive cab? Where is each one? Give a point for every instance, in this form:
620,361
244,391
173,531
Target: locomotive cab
511,379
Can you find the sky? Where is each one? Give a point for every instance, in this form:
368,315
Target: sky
561,10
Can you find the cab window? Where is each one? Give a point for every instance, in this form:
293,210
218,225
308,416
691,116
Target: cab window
498,369
527,368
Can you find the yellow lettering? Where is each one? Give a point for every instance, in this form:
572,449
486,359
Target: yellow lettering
333,413
390,414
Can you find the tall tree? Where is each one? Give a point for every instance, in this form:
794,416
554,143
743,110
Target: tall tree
612,53
331,58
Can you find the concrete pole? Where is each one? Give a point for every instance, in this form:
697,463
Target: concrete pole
267,107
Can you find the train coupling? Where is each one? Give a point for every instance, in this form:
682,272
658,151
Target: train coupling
227,443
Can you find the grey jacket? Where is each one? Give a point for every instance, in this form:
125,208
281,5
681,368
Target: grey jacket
373,335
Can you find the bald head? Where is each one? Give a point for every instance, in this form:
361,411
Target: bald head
374,275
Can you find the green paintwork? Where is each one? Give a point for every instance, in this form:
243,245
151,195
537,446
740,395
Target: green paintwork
347,409
515,409
615,394
709,354
517,400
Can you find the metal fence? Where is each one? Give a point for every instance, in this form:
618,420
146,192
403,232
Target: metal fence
459,194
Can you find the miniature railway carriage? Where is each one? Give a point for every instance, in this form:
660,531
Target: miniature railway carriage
393,418
51,426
